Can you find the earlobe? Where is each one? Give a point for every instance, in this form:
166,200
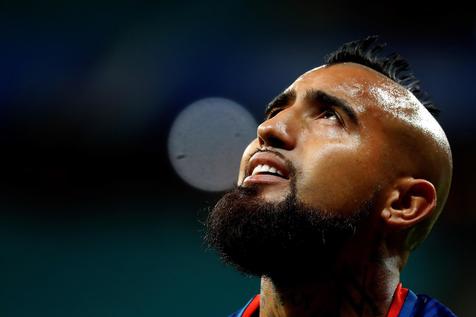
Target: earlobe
409,202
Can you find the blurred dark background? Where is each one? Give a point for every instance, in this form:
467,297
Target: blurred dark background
95,221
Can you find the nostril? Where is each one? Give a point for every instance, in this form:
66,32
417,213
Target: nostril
275,142
271,140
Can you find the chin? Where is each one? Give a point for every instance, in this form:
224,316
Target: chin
272,193
274,196
263,231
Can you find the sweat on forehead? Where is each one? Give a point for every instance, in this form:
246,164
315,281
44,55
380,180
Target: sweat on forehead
394,99
360,83
368,90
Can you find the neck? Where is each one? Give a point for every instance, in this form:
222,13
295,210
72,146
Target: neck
352,290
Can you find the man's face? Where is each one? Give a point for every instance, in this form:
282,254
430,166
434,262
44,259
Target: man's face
329,125
312,178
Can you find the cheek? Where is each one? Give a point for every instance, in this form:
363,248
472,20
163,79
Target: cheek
339,178
250,149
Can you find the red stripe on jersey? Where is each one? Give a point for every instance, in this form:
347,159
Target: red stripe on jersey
252,307
398,300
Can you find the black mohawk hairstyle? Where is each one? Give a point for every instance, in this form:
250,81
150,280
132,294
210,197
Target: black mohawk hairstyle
368,52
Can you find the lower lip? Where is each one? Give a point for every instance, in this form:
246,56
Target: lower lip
264,179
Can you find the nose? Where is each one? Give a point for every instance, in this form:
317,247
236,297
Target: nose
278,131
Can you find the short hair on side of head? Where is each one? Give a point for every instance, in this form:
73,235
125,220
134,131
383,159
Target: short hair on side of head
368,52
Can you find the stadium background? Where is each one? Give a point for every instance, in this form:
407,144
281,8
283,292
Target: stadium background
95,221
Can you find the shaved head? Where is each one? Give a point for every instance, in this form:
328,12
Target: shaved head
416,144
418,147
405,139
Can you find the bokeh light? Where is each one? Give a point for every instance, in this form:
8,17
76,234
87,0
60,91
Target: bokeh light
206,142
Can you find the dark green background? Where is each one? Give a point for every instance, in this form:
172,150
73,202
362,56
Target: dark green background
95,222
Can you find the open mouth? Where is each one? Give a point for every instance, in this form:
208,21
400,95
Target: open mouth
266,168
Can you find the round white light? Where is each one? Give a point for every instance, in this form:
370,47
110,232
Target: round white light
207,140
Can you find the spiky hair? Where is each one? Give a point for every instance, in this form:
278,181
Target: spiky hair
368,52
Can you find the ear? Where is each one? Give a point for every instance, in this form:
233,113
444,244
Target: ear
409,202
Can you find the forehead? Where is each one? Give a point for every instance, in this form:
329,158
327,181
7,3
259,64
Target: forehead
362,87
376,98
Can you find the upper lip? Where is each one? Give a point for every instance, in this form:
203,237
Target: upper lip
268,158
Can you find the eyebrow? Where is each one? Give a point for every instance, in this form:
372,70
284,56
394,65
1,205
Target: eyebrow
287,97
283,100
327,100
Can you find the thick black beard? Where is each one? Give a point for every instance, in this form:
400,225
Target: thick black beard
286,241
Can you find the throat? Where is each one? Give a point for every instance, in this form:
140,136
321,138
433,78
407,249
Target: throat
346,295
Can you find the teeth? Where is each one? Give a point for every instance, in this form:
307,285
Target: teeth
257,169
263,168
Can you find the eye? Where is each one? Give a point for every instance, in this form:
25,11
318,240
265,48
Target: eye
329,115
